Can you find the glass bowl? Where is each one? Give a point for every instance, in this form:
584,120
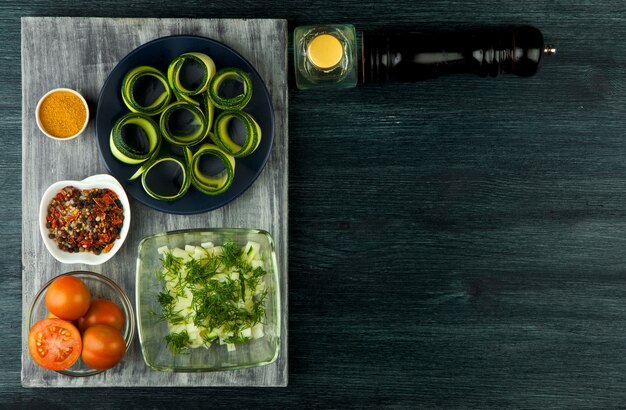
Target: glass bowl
100,287
152,329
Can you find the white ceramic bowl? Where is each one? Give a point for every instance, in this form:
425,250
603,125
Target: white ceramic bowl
43,130
88,258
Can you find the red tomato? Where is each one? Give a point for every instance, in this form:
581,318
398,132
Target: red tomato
68,297
54,344
104,312
103,347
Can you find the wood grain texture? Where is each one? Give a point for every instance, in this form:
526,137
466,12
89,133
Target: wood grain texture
79,54
457,243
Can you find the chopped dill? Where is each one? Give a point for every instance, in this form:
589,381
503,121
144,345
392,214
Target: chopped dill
171,263
208,338
258,272
232,254
237,339
165,299
177,342
219,293
242,282
199,271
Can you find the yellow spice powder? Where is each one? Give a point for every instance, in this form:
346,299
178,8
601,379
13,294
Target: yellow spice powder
62,114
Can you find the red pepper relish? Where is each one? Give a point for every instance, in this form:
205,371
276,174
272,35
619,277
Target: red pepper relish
87,220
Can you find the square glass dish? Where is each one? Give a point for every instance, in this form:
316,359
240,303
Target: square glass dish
259,348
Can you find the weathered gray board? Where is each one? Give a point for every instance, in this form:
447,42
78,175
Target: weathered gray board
79,53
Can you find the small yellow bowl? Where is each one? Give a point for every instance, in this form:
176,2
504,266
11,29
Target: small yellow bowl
61,107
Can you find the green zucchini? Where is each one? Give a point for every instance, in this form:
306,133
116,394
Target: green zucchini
173,76
141,170
234,103
201,102
212,184
186,171
183,139
127,154
208,108
128,91
223,139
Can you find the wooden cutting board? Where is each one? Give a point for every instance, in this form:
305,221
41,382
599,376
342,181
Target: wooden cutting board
79,53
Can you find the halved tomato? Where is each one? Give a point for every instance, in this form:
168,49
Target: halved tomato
103,347
54,344
104,312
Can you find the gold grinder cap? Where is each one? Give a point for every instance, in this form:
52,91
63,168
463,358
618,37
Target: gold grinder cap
325,51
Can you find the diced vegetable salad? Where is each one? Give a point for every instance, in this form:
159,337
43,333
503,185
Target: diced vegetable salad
212,295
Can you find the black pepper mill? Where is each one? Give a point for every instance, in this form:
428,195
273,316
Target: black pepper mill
413,56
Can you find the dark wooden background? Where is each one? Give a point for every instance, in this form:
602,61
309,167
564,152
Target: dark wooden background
455,243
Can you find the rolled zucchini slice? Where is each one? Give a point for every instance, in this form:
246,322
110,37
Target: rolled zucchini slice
141,170
223,139
128,91
209,111
217,180
197,123
206,65
167,178
125,152
230,103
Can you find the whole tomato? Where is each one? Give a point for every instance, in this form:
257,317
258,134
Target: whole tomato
103,312
103,347
68,297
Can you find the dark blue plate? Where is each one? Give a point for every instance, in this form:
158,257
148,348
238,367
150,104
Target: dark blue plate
159,53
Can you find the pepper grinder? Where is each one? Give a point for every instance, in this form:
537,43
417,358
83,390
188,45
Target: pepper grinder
413,56
326,56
